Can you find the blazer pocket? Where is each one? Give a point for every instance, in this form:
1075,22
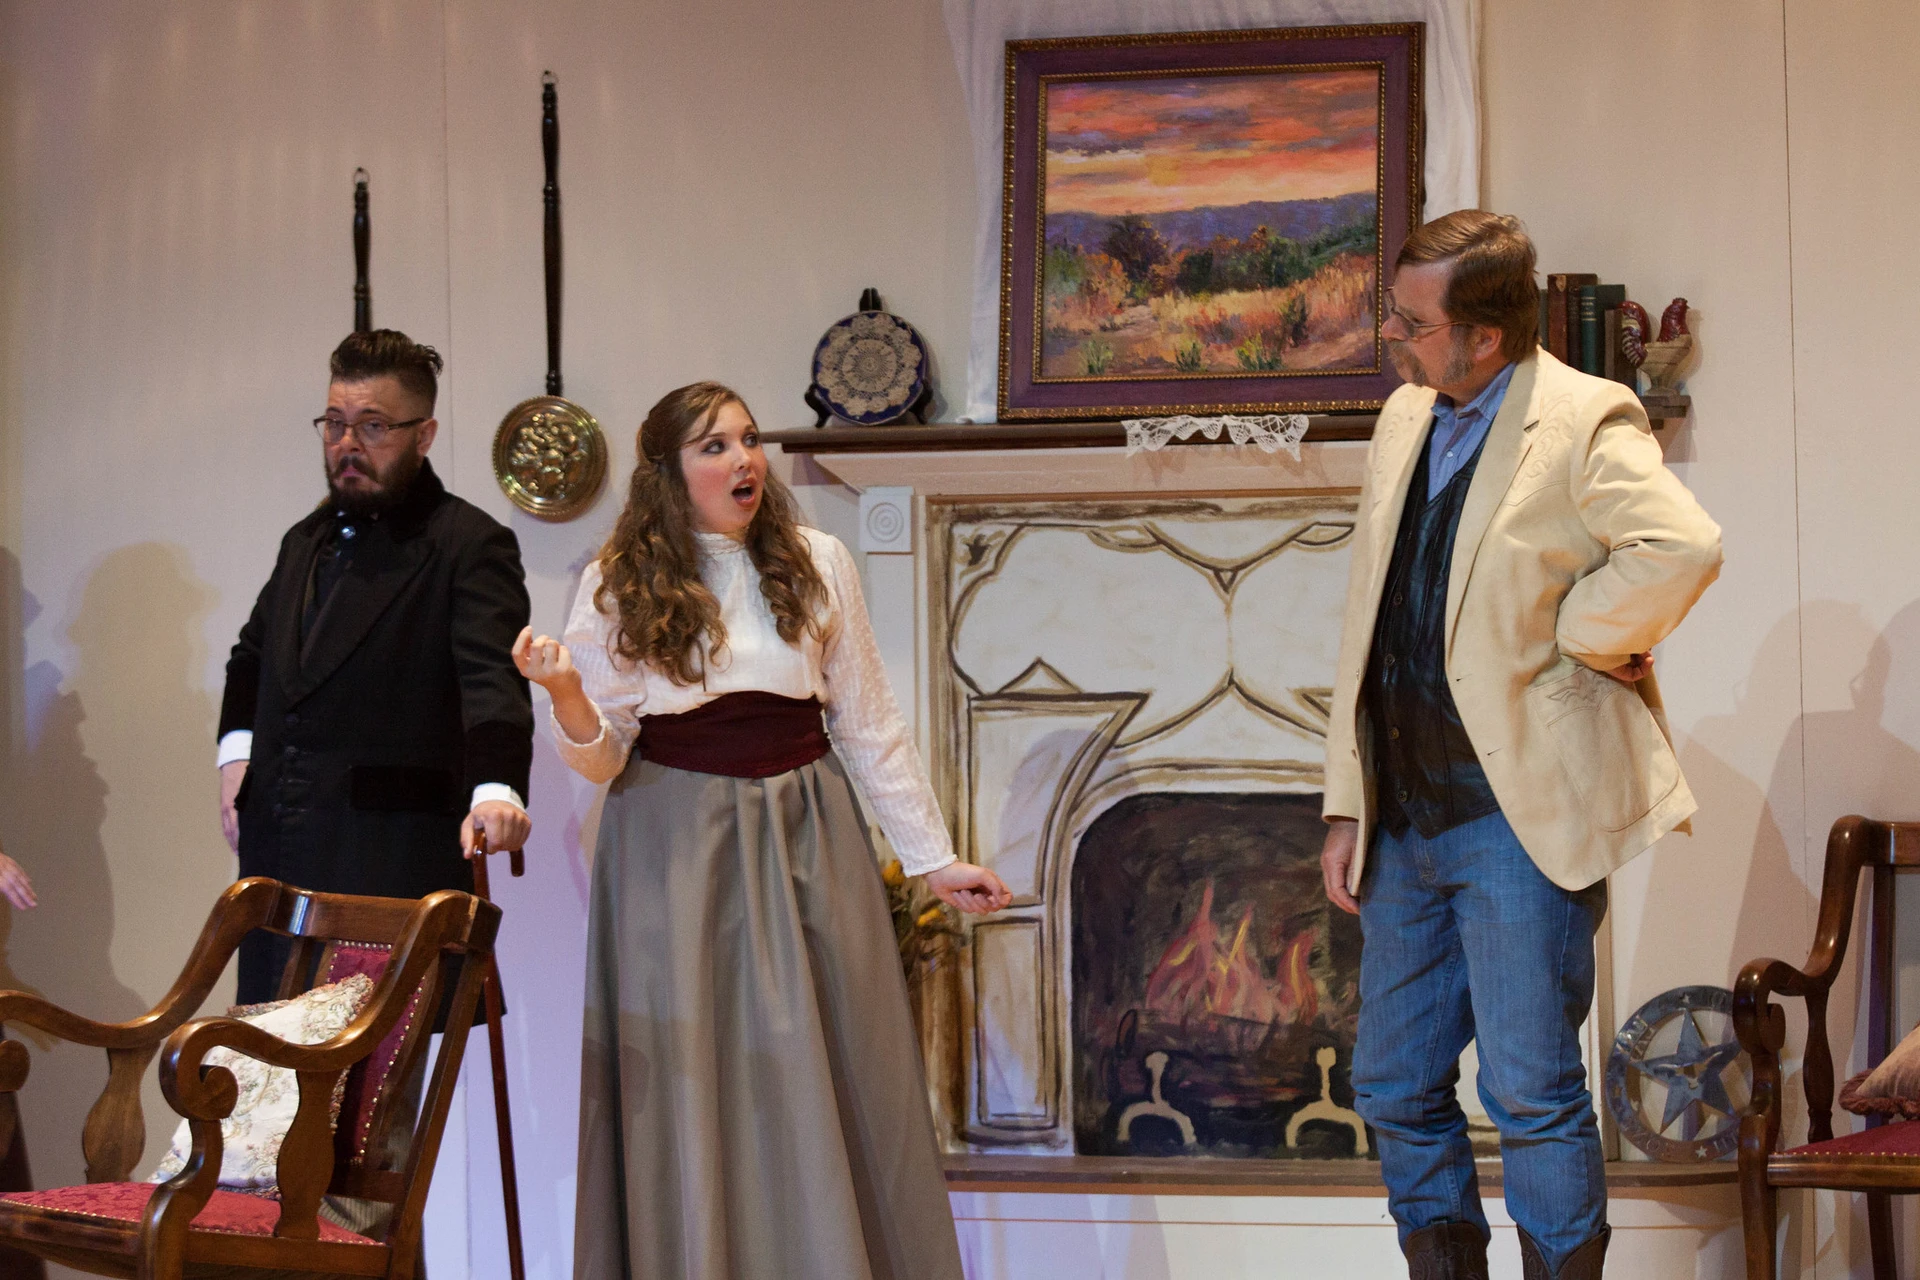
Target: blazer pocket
1609,744
399,788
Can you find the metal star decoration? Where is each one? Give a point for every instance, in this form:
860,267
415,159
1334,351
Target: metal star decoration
1691,1074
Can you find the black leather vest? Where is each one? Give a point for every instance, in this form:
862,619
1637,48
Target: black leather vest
1426,773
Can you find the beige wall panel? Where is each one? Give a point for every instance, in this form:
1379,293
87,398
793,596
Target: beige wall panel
1659,160
1854,109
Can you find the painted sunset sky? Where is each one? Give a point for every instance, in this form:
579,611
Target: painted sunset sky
1159,145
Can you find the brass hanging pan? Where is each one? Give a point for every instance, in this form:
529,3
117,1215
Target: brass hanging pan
549,455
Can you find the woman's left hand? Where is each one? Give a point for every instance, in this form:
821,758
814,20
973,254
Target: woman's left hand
966,887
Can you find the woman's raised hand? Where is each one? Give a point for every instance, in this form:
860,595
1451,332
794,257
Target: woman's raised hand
972,889
545,661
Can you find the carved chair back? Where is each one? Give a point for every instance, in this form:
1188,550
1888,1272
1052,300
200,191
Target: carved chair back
1856,847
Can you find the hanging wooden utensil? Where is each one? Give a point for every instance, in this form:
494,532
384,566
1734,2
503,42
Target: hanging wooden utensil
548,454
362,224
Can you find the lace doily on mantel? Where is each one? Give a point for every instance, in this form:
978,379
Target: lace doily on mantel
1272,432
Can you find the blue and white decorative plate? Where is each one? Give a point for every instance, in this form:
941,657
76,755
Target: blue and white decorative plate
870,368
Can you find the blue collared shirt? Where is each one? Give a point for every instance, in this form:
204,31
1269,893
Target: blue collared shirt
1458,432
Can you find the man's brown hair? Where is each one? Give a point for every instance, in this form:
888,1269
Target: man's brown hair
1491,282
384,352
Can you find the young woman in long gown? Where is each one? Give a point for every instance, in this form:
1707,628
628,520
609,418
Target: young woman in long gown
752,1099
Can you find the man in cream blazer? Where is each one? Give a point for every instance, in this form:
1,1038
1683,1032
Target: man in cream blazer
1497,745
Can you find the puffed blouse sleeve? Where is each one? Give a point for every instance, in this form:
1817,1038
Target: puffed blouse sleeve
864,720
616,693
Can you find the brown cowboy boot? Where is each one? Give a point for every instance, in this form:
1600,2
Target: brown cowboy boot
1447,1251
1584,1264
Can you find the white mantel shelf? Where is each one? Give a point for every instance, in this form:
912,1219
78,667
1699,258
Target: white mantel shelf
1094,471
1088,459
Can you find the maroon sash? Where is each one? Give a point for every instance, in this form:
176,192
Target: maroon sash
738,735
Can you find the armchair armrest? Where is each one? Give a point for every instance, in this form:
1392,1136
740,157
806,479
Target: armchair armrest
1761,1027
146,1031
1760,1024
239,909
115,1132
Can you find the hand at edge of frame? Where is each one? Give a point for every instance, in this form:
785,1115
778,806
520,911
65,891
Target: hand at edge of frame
15,887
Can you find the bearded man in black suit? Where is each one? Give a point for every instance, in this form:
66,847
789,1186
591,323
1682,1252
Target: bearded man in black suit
374,730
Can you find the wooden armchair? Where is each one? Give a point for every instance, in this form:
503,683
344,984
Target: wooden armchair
426,957
1882,1160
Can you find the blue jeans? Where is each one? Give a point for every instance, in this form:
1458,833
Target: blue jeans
1466,940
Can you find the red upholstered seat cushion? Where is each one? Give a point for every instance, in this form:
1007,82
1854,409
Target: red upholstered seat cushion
230,1212
1901,1138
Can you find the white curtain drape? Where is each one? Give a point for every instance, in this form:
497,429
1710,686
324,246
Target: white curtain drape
979,30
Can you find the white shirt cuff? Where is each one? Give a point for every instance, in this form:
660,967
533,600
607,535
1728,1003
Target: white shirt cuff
236,745
498,791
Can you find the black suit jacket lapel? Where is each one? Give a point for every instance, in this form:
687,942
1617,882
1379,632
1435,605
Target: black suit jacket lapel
391,552
285,658
382,567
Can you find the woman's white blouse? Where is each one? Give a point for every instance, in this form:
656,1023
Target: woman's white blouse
843,670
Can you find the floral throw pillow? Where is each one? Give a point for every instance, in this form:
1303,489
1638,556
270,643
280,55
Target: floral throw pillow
1895,1080
269,1095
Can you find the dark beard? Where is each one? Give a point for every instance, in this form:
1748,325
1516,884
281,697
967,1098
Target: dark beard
395,483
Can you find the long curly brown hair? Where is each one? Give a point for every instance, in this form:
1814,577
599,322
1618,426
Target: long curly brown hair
650,565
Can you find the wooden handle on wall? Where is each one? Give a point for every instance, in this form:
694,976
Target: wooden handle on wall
362,226
550,145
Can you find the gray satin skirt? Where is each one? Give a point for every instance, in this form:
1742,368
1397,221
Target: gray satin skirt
752,1103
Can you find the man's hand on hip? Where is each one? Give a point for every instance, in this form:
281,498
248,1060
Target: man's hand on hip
232,774
506,827
1336,862
1637,667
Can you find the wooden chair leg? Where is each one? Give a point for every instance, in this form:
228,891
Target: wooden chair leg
1760,1222
1880,1234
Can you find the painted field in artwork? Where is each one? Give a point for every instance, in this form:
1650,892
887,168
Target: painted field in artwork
1210,224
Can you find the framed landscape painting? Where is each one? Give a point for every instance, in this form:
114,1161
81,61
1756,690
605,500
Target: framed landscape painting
1202,223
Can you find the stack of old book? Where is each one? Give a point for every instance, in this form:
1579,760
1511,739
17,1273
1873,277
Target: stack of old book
1580,325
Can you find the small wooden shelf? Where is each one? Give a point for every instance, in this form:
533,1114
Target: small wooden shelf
1189,1175
954,436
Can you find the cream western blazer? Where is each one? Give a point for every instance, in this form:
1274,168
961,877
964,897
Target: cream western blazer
1576,549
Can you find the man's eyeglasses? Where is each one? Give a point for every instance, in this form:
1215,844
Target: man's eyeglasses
371,431
1415,327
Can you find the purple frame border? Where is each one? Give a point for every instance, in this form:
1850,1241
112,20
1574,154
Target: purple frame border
1398,46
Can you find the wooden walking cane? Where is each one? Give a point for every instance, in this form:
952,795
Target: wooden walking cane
497,1045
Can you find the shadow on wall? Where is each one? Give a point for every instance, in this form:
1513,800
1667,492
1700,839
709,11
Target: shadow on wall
1849,761
108,799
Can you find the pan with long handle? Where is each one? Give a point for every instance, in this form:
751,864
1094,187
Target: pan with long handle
549,455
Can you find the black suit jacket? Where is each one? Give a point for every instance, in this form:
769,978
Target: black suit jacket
369,738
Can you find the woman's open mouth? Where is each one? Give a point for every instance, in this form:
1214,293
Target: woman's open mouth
746,493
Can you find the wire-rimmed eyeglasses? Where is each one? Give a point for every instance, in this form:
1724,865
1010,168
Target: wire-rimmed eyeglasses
1414,327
